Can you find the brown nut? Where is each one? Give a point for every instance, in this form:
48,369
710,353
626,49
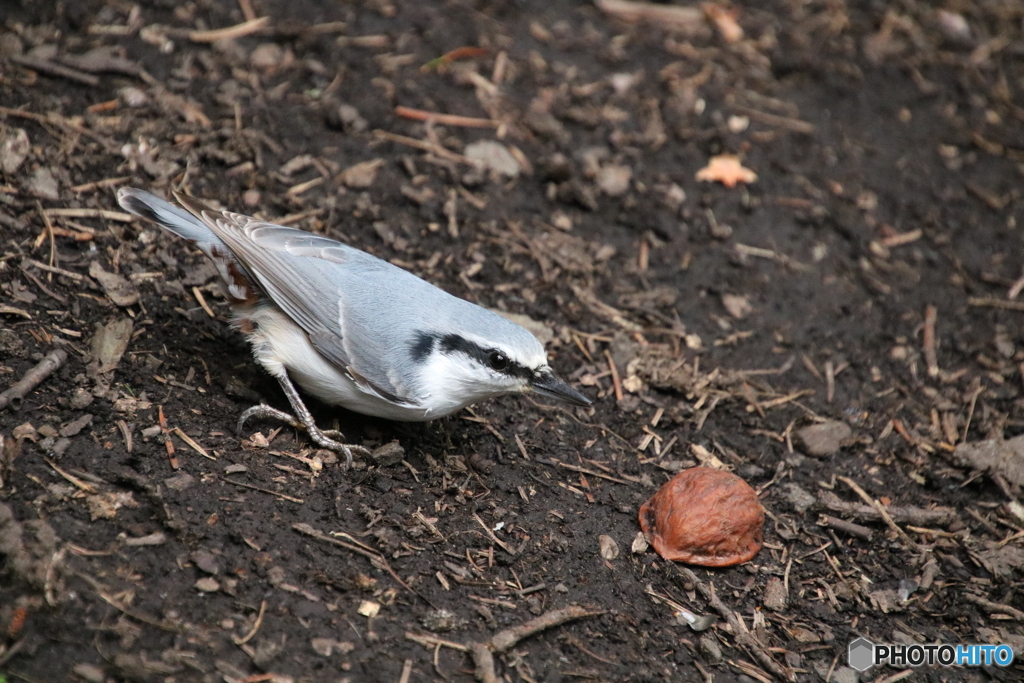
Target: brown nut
704,516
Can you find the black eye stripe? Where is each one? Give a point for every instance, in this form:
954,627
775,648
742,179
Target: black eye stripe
421,346
454,343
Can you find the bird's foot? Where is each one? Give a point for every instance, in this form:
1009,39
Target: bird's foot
330,439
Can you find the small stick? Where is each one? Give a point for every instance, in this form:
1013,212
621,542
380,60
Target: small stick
987,302
95,185
168,444
994,606
930,315
849,527
428,147
33,378
502,641
880,509
445,119
54,69
376,559
739,631
616,382
255,627
237,31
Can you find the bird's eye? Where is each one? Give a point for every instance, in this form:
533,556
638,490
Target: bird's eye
497,360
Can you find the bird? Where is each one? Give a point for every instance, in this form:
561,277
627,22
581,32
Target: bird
352,329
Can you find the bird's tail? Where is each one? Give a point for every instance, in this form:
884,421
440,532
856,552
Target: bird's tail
241,287
169,217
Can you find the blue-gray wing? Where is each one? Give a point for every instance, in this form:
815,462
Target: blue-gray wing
315,281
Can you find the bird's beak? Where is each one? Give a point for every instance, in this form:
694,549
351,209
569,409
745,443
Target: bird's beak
546,384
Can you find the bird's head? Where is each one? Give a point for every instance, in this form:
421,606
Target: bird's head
460,368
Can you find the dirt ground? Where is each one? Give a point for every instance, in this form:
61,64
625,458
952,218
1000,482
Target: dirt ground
868,277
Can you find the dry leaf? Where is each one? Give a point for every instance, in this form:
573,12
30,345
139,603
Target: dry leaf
726,169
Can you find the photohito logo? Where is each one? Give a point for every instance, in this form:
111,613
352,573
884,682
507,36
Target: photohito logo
864,654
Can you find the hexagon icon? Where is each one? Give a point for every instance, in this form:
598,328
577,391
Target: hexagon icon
862,654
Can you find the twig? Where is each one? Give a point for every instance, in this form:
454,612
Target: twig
616,382
881,511
255,627
988,302
54,69
426,147
848,527
283,496
33,378
739,631
237,31
376,559
994,606
903,515
930,315
445,119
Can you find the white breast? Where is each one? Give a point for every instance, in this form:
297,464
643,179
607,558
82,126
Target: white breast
280,345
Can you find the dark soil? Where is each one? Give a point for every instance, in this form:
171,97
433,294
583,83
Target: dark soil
888,143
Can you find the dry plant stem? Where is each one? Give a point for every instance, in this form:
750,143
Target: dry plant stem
847,527
33,378
502,641
445,119
881,511
739,632
376,560
902,515
995,606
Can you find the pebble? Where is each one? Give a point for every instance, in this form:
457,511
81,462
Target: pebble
824,438
494,156
207,585
43,185
14,149
614,180
775,596
798,497
80,399
89,673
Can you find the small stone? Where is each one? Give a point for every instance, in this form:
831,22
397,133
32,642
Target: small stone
609,548
150,432
206,561
775,596
388,455
133,97
237,468
42,184
180,482
614,179
75,426
369,609
361,175
14,149
824,438
494,156
440,620
90,673
266,56
640,544
709,645
207,584
275,576
80,399
798,497
845,674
